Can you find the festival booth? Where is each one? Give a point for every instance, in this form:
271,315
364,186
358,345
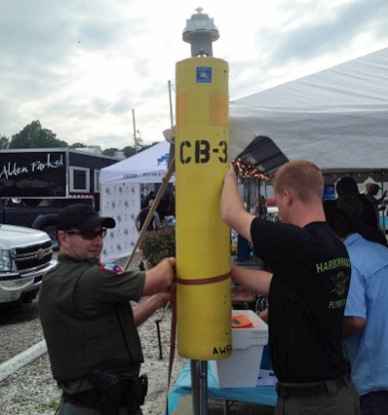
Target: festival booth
120,196
336,118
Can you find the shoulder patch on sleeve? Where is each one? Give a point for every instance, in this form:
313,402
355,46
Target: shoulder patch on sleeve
111,268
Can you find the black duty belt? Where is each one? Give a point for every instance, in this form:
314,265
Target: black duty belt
89,399
111,393
309,390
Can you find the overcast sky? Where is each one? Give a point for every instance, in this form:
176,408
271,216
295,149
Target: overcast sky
81,67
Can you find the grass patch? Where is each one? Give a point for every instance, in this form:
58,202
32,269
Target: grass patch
43,407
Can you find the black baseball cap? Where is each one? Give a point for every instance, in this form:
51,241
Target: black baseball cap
82,217
375,186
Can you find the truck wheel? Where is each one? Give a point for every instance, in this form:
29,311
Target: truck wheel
52,233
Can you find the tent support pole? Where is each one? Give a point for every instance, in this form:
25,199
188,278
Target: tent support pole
151,212
170,101
199,386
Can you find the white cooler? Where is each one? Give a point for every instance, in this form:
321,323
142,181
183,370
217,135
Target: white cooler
241,369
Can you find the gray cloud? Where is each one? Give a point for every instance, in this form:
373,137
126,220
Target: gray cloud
121,106
42,41
47,38
314,39
46,48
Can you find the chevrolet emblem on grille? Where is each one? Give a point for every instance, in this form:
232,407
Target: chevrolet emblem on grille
41,254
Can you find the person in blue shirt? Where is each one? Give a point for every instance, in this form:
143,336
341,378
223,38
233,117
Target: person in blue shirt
366,314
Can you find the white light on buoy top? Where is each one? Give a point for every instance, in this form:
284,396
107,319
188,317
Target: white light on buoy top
200,32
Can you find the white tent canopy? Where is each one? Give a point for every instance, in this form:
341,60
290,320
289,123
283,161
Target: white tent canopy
120,195
148,166
337,118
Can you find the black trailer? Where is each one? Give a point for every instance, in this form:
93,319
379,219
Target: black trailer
35,184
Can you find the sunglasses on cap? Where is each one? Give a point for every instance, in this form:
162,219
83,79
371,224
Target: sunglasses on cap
88,235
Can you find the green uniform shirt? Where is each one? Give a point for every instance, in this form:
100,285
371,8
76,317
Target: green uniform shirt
88,322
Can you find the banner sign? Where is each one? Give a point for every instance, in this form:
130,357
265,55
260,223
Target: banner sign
33,174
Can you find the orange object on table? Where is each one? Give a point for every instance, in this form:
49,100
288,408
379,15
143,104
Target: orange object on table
241,322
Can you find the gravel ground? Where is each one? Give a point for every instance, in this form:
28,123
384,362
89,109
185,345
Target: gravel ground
32,391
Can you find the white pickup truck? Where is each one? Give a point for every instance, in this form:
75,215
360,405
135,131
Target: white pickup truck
25,255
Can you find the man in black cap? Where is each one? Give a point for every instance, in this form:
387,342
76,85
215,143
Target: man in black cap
347,186
88,322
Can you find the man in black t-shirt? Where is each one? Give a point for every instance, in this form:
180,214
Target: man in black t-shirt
307,291
142,216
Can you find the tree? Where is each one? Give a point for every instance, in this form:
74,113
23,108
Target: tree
78,145
138,141
148,146
129,151
4,142
110,151
34,136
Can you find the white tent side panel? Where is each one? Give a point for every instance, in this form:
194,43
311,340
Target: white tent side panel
121,201
334,139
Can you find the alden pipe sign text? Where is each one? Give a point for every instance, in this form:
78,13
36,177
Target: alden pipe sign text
14,169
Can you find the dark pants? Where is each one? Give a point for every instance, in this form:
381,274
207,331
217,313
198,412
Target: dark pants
375,403
333,399
67,408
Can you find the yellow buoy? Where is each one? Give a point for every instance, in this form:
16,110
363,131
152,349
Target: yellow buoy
202,238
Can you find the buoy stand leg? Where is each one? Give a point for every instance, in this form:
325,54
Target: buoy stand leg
199,386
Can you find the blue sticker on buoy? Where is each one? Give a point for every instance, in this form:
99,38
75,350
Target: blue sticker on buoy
204,74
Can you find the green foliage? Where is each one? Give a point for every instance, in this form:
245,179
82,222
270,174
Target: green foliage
138,141
129,151
159,244
148,146
34,136
77,145
4,142
110,151
44,407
